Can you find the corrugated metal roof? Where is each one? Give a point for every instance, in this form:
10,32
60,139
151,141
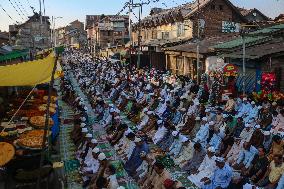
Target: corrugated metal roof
260,37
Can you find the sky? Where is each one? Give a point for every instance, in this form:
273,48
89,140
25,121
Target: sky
71,10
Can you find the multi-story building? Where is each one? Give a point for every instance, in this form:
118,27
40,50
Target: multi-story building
104,31
72,35
182,24
33,34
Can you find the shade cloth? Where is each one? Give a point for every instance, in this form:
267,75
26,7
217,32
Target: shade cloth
29,73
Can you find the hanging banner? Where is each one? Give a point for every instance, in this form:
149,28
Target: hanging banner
230,70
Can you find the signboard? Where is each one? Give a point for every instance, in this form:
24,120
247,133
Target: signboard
230,27
230,70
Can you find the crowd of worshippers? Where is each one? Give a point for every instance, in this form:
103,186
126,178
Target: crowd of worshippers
235,145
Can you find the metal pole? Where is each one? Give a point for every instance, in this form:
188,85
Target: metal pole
40,13
244,63
139,37
130,29
46,127
197,47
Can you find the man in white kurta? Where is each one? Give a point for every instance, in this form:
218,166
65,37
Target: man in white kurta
206,168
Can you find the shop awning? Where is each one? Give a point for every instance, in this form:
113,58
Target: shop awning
29,73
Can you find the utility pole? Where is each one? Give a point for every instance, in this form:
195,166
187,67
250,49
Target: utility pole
130,29
244,61
139,37
197,47
40,13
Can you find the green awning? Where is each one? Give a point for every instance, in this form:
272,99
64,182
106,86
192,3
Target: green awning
13,55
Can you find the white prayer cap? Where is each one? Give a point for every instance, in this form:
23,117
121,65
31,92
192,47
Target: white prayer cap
266,133
211,123
211,149
110,105
89,135
220,159
197,119
225,115
247,125
183,109
94,141
111,110
274,103
97,93
197,103
99,99
204,119
245,99
145,109
248,186
207,110
252,102
117,111
96,150
137,139
84,130
182,97
85,108
184,139
174,133
102,156
160,121
257,126
121,187
259,107
83,119
150,112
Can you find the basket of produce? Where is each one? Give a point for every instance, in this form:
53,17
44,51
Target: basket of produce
7,152
31,139
39,122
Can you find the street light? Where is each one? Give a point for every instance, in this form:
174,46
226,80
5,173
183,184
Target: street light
53,38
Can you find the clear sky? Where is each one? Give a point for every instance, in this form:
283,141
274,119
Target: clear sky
71,10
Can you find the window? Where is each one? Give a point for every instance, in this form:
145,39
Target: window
221,7
154,34
212,7
180,30
165,35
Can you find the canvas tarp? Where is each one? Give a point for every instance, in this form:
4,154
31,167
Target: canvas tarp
29,73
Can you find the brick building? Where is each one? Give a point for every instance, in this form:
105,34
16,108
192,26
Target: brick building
104,31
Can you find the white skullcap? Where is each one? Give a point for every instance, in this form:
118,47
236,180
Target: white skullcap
137,139
266,133
248,186
274,103
145,109
244,99
160,121
225,115
257,126
197,119
111,110
252,102
83,125
183,109
211,149
121,187
94,141
247,125
83,119
89,135
85,108
102,156
220,159
207,110
204,119
211,123
259,107
84,130
197,103
174,133
96,150
150,112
